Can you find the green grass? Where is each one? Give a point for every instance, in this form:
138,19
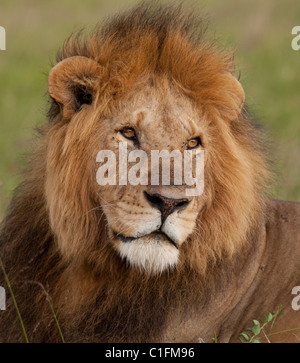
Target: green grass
260,30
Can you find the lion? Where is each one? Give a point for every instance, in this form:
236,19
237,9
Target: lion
147,263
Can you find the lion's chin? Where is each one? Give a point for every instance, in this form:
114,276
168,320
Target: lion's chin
153,253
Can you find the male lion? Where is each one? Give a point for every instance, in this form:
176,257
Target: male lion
147,263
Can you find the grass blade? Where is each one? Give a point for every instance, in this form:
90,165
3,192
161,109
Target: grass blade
51,307
14,300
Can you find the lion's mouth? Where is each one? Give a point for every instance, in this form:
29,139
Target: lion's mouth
154,235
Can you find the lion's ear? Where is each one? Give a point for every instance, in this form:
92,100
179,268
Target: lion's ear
73,82
236,97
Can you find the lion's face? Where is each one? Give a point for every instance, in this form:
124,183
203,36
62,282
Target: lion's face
149,223
152,225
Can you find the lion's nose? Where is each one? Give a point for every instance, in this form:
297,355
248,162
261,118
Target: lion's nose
166,205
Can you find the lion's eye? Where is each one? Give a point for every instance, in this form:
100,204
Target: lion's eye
193,143
128,132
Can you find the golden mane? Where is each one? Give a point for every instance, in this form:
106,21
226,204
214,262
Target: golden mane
96,296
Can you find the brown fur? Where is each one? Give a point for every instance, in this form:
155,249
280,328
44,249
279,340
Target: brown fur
57,233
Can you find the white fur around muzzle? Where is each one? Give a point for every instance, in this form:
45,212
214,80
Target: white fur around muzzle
150,254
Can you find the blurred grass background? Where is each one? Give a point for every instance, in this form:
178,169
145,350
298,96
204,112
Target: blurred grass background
259,29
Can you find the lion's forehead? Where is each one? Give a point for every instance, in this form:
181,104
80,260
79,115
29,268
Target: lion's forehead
160,113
